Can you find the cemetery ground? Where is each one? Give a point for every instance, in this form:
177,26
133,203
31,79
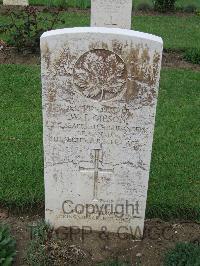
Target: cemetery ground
179,4
173,207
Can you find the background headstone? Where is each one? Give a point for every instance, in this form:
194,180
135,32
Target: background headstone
99,94
111,13
16,2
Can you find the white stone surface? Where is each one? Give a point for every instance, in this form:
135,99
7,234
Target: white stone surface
15,2
111,13
99,95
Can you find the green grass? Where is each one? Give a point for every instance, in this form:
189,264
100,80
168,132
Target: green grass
174,182
178,33
86,3
7,246
184,254
179,3
184,3
21,167
175,169
170,28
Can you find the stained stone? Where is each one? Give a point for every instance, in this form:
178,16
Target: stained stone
111,13
100,88
16,2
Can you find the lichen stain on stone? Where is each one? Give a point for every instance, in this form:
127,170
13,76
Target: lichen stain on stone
98,45
51,95
45,52
131,91
63,65
141,72
117,47
156,62
95,77
51,98
104,46
140,67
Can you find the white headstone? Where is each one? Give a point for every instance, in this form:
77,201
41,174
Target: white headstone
99,94
111,13
15,2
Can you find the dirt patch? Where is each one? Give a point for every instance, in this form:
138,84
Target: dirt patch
11,56
21,232
85,248
176,60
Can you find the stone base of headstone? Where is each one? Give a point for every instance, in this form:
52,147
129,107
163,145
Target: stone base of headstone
15,2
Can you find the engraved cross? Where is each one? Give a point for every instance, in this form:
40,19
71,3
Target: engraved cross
96,170
111,23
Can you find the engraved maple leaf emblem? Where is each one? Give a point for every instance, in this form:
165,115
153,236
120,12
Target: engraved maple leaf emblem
100,74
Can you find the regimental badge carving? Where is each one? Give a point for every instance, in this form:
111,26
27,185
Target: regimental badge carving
100,75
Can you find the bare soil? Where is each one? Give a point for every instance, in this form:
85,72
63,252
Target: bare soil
176,60
85,248
10,55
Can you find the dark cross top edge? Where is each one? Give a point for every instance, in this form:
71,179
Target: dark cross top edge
111,23
96,170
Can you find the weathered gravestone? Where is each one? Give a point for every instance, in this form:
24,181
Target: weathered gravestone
111,13
16,2
100,90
